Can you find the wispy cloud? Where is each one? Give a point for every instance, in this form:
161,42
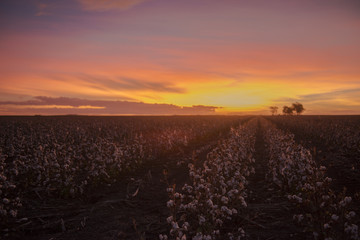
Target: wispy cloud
345,93
353,93
63,105
106,5
123,84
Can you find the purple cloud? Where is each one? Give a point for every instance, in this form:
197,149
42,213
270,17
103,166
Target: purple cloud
64,105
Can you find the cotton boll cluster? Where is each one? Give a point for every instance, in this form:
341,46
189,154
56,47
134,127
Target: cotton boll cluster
292,168
290,165
216,193
9,201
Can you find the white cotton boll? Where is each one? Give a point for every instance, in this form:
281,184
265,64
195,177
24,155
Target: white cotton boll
242,232
234,211
345,201
163,237
325,197
72,191
174,225
352,230
13,213
224,199
169,219
334,217
350,215
319,184
185,226
327,179
201,220
198,236
216,232
298,218
208,237
170,203
308,187
297,198
242,201
219,222
326,226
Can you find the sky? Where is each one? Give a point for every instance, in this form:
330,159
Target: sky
178,57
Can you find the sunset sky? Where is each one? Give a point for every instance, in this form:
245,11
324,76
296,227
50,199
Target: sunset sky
178,57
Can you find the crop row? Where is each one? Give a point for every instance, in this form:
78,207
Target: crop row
327,214
339,133
216,191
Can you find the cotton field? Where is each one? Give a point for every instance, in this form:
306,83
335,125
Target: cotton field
195,177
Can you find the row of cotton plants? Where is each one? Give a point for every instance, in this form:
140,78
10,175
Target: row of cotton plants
326,213
216,193
65,157
338,132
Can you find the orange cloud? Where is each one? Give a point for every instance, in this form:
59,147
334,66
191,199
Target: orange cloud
42,9
106,5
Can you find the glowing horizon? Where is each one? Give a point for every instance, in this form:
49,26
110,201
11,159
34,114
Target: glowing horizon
220,57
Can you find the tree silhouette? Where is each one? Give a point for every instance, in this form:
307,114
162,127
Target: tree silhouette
298,107
288,110
273,110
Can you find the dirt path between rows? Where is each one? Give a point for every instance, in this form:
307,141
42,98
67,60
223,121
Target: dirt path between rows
269,214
